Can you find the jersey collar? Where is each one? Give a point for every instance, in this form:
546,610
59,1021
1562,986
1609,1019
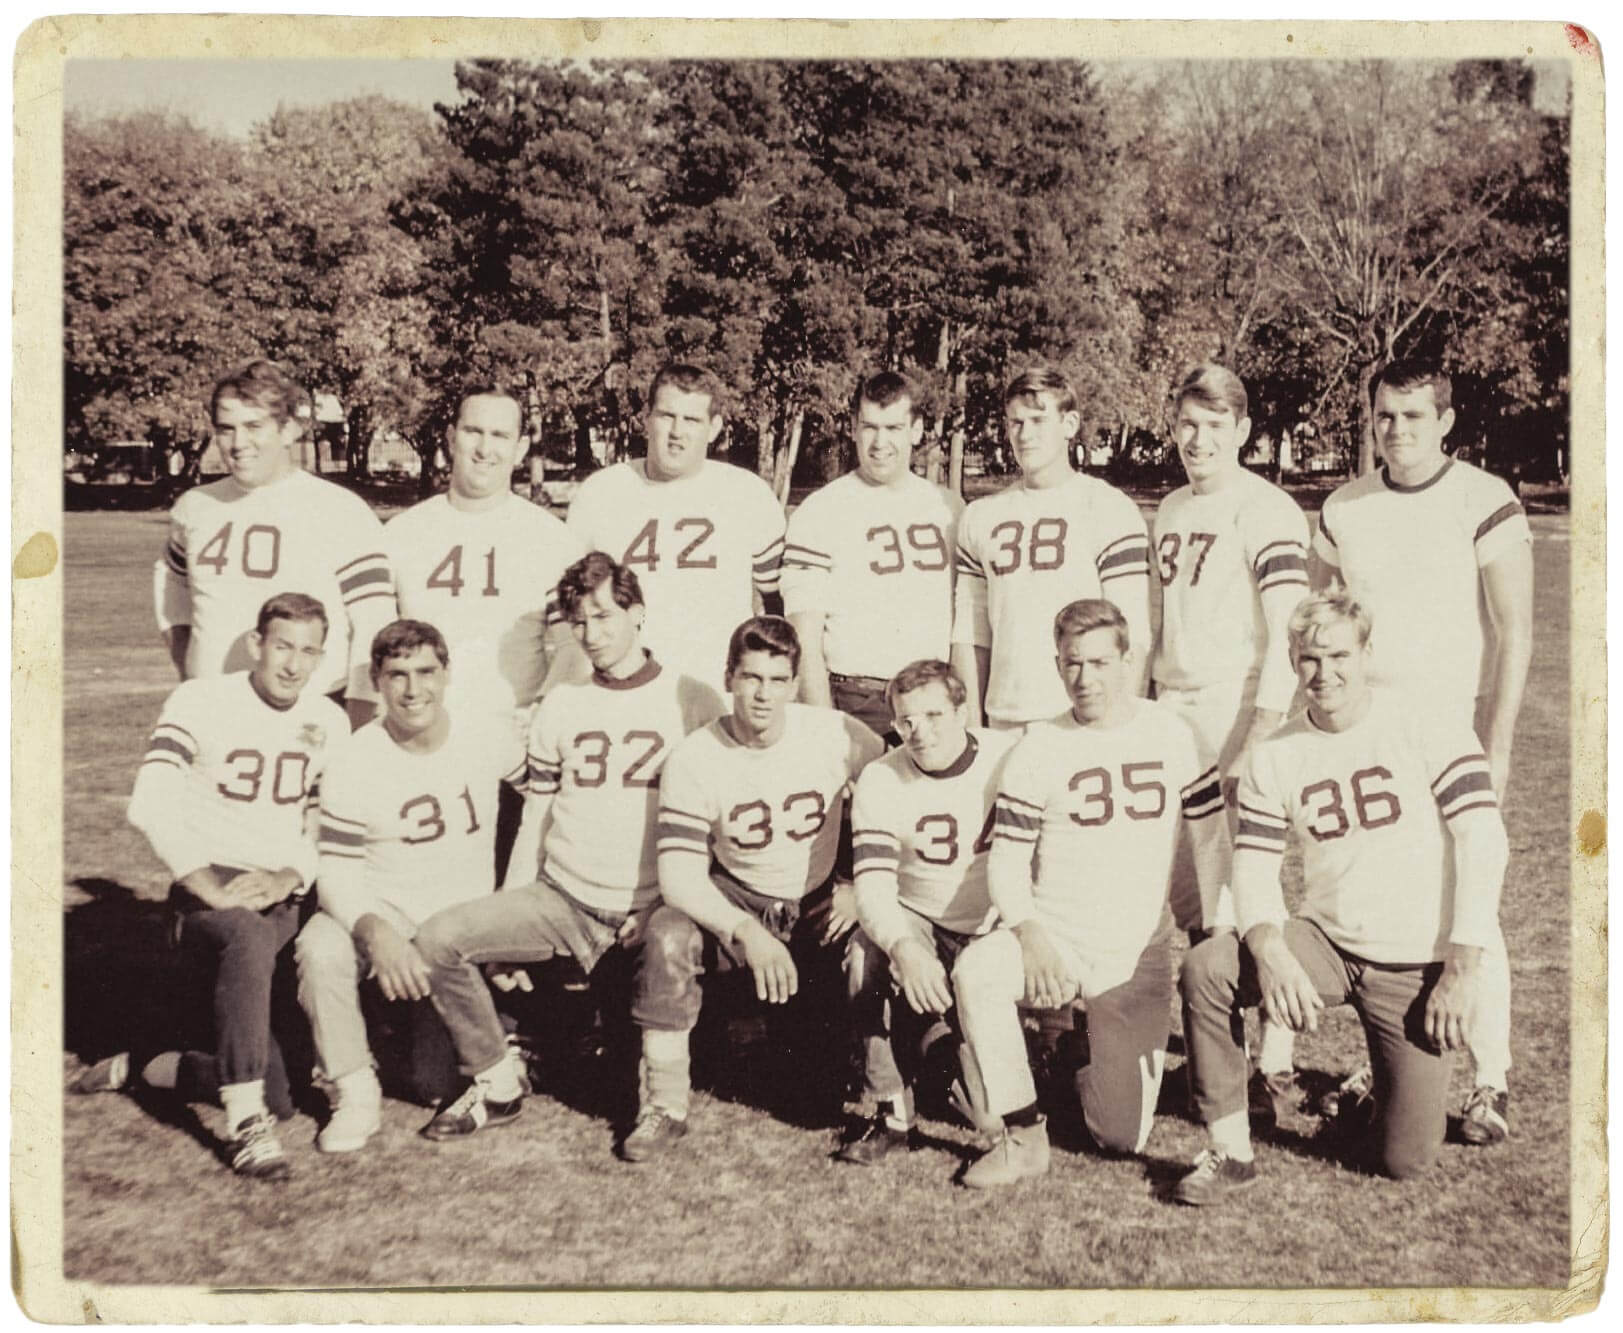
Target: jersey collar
959,765
1432,480
641,676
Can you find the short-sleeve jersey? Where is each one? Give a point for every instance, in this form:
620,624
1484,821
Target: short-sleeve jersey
597,749
228,778
421,828
1413,555
697,544
487,579
876,562
1219,555
770,816
1025,553
1369,806
931,831
232,548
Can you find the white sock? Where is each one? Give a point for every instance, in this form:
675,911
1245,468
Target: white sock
664,1075
1231,1136
500,1081
358,1084
898,1115
162,1071
1278,1053
242,1101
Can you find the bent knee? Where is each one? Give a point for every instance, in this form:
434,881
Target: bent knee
1211,967
323,945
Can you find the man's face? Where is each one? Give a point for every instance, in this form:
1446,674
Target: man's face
886,437
1039,433
1409,432
1209,440
483,445
934,729
1333,668
254,445
679,427
285,656
1097,674
412,686
607,631
761,685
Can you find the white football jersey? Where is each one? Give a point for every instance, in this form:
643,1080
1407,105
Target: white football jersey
1023,555
231,549
698,546
229,779
877,563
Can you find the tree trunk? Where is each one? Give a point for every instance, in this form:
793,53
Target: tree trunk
358,444
1366,423
605,329
763,448
955,461
785,477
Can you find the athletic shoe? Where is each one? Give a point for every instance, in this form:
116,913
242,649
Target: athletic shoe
655,1131
1018,1154
1351,1091
1215,1176
357,1113
868,1141
109,1075
256,1151
470,1113
1272,1097
1485,1119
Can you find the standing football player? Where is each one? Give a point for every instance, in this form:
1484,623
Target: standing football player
268,527
867,568
921,826
703,537
594,758
750,809
222,796
408,816
1034,547
1097,801
1404,857
1441,554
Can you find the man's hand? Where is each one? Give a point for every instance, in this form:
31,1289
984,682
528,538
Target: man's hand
1451,1006
210,890
258,889
400,970
630,934
1288,993
1047,984
922,979
775,977
508,979
842,913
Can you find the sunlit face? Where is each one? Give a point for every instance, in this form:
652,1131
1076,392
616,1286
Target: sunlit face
607,631
680,427
761,685
285,656
1209,441
1096,672
933,728
412,687
256,446
1039,433
1333,668
483,444
886,437
1409,431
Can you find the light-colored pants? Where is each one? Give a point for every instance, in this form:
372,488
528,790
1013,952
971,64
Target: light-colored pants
330,991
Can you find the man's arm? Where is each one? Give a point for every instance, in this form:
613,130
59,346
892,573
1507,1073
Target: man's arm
1123,567
814,687
400,970
172,596
366,584
684,883
971,648
973,663
178,639
1016,824
1507,586
1203,825
524,864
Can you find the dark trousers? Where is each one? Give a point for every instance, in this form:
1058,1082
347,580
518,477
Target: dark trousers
863,697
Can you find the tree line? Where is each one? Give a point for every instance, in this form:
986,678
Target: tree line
796,224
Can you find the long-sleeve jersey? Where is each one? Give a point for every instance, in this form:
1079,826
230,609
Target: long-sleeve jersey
228,779
231,548
1025,553
1403,847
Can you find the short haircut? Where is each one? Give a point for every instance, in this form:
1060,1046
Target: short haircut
298,607
1326,608
1040,380
1408,373
1090,613
927,671
764,634
689,379
490,388
583,577
1214,387
264,384
887,387
400,638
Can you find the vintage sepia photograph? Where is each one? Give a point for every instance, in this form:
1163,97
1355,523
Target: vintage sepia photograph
928,660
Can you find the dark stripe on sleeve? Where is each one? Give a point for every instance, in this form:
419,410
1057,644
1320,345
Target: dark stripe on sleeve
1463,785
363,577
172,745
1281,564
361,560
1505,511
1133,555
1325,529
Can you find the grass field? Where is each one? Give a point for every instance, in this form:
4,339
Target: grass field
750,1200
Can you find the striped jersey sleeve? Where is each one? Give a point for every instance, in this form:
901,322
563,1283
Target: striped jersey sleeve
1281,564
171,592
1464,784
1324,542
808,561
365,577
1015,819
1260,827
337,835
686,813
1502,529
171,744
1127,556
971,618
766,562
1203,797
543,762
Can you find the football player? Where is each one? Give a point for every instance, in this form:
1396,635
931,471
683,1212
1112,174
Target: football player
222,796
921,824
703,537
750,809
408,812
268,527
1032,548
594,758
867,568
1404,856
1431,545
1099,799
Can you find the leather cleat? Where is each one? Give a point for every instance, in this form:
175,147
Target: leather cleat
1215,1176
655,1131
1018,1154
870,1141
470,1113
